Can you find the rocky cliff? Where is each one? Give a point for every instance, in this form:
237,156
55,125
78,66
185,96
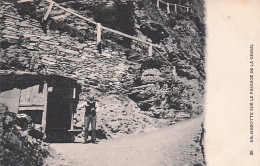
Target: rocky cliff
135,92
20,142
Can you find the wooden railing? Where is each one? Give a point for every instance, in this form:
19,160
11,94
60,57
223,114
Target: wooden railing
173,67
99,27
171,4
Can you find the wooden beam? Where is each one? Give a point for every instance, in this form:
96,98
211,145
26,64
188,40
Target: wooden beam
128,36
44,113
164,58
31,108
98,33
69,11
158,4
71,116
150,51
168,8
48,11
163,2
74,93
174,73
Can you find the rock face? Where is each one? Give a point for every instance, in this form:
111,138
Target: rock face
154,31
18,143
151,76
66,46
118,115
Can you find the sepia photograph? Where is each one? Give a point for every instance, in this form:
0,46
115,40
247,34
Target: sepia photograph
121,83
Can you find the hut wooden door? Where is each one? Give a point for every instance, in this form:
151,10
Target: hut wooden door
32,102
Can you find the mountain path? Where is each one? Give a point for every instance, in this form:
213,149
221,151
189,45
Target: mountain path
168,146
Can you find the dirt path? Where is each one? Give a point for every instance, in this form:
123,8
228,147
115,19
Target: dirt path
169,146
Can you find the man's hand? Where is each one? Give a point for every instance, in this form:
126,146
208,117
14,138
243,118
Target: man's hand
83,104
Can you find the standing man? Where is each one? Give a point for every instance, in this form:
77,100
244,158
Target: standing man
90,117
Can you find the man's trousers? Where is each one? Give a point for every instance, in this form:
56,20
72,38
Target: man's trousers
87,120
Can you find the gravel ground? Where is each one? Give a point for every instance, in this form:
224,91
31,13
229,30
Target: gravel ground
175,145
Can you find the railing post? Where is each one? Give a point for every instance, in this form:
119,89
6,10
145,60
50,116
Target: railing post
98,33
48,11
174,73
150,50
158,4
175,8
168,8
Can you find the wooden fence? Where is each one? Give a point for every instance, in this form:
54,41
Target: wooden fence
188,9
99,29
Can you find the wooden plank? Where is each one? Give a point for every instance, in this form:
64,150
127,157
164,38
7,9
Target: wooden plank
30,105
31,96
31,108
11,99
44,113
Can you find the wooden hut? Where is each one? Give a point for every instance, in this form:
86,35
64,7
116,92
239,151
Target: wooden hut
50,100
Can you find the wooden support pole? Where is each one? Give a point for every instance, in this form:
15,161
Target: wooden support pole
98,33
158,4
48,11
44,113
174,73
168,8
74,93
71,116
175,8
150,50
